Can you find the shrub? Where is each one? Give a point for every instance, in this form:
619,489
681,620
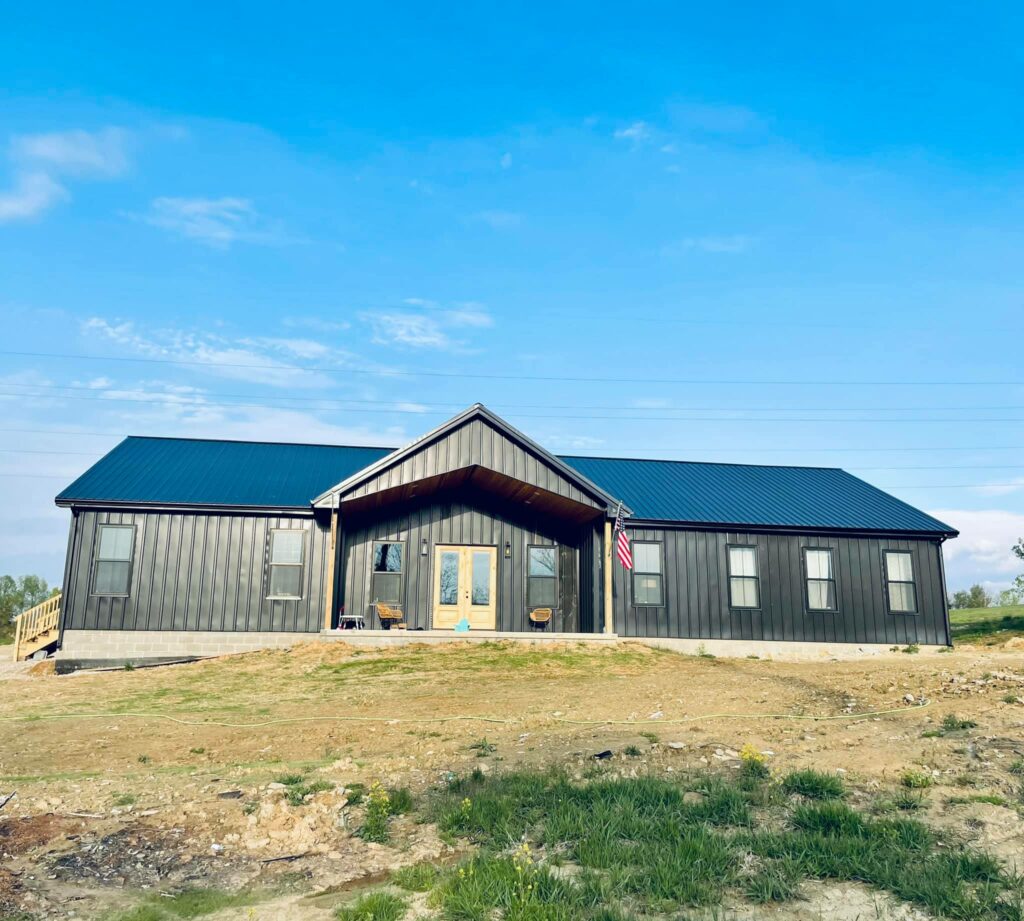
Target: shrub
378,811
814,784
374,906
952,723
915,780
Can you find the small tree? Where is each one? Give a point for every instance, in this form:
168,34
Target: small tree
17,595
1007,597
979,597
960,599
1018,583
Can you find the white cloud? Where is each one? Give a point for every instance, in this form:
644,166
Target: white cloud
736,243
40,159
499,220
317,324
217,222
431,329
1002,488
77,153
637,132
253,360
982,551
31,195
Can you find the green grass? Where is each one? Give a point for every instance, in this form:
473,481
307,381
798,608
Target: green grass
915,780
189,903
639,848
420,877
374,906
953,723
814,784
987,626
298,789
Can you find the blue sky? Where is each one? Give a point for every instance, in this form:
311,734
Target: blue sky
795,236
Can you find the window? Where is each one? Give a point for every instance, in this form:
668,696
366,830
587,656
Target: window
899,582
386,573
648,577
821,580
286,551
744,586
542,577
113,559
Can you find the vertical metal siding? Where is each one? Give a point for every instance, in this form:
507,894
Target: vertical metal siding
697,591
194,572
475,443
445,522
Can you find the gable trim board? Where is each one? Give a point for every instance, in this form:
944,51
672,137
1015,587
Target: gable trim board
202,512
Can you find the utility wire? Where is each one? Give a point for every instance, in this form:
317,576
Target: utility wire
392,372
201,404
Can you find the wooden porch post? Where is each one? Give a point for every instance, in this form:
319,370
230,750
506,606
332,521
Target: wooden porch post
609,621
332,562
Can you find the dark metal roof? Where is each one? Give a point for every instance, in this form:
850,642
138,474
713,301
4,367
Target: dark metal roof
192,471
246,474
746,494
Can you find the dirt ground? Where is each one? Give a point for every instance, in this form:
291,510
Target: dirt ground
134,782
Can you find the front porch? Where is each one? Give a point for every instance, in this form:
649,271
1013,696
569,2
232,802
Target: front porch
385,638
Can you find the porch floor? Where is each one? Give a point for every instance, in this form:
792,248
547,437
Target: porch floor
406,637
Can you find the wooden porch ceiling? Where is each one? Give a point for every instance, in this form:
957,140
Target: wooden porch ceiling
477,479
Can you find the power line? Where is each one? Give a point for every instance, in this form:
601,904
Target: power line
456,407
203,404
391,372
688,448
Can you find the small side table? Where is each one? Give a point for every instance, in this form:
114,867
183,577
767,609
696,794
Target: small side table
352,622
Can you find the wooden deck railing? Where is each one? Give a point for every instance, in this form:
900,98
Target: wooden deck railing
36,627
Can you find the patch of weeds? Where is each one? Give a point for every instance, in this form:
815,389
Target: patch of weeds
123,799
378,811
911,649
1011,699
992,799
932,734
966,779
297,789
908,800
189,903
753,765
702,652
144,759
420,877
374,906
651,737
483,748
1017,768
953,723
915,780
129,666
400,800
197,751
355,792
250,807
814,784
775,881
631,751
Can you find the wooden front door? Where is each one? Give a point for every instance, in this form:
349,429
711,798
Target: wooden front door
465,586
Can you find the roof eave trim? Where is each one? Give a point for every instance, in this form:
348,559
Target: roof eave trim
326,500
304,511
788,529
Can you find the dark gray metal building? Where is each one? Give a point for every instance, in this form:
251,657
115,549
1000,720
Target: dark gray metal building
181,546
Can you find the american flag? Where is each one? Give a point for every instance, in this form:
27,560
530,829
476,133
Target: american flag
622,541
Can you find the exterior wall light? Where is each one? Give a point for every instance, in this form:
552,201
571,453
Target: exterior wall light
423,547
508,550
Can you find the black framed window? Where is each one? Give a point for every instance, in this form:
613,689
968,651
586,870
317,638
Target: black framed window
542,577
900,588
114,546
386,571
820,577
287,556
744,584
648,574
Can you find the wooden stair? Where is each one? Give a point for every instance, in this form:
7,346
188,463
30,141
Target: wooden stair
37,628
